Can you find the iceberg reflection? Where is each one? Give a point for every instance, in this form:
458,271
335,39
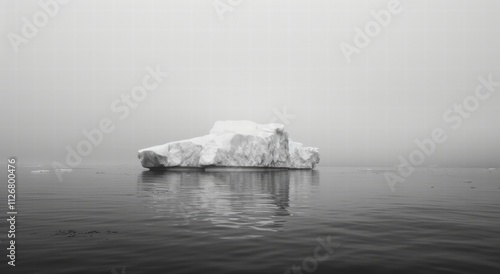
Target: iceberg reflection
257,200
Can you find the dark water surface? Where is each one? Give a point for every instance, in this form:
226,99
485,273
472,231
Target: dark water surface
127,220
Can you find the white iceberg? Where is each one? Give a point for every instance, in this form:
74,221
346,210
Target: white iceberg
233,144
302,157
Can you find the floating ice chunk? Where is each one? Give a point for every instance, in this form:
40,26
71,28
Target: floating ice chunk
303,157
40,171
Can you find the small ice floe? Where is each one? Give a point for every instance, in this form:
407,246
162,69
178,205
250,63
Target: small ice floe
64,170
491,169
376,170
40,171
59,171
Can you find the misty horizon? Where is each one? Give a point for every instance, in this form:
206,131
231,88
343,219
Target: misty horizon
262,62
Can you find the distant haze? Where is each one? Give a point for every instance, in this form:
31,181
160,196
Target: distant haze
262,61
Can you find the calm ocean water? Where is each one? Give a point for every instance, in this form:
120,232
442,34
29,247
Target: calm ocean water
331,220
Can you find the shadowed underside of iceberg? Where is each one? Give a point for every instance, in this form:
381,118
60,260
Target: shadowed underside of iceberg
233,144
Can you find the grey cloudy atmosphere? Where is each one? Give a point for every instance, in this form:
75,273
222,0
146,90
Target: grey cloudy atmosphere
282,61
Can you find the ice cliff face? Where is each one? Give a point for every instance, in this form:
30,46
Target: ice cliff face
302,157
233,144
246,144
181,153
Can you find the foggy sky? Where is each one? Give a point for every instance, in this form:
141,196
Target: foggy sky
262,57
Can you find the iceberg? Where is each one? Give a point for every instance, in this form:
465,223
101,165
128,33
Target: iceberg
233,144
302,157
